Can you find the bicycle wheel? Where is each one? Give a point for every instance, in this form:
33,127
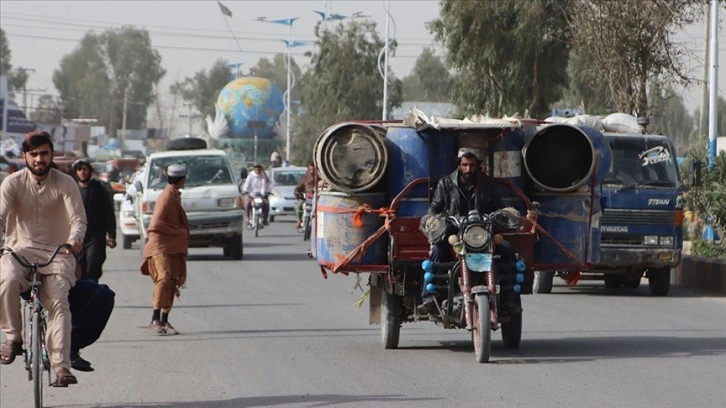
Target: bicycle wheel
36,357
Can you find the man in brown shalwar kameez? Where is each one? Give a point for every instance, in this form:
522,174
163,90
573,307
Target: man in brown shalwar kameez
166,250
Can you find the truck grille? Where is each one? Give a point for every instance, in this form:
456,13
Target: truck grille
636,217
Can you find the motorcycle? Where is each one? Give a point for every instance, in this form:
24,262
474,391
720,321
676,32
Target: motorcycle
305,225
257,220
478,291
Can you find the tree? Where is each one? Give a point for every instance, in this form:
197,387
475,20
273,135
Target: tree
105,69
585,90
631,45
669,117
276,71
430,80
343,83
203,88
46,111
511,54
5,54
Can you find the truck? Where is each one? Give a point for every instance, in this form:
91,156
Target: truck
642,218
210,196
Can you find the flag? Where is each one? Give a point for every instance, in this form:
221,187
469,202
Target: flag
226,11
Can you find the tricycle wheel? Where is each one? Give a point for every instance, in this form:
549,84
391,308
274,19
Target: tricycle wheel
482,333
512,331
543,281
391,306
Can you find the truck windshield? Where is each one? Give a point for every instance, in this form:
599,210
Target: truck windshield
638,162
201,170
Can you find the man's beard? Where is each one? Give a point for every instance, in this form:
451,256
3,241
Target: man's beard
86,180
39,173
468,178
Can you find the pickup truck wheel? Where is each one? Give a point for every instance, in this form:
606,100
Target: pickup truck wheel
125,241
543,281
235,250
659,280
391,307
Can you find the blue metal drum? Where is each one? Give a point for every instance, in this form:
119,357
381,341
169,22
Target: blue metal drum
335,232
567,217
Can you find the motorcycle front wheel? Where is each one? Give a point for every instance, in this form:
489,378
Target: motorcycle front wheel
482,333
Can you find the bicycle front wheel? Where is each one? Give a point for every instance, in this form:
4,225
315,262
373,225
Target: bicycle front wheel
36,358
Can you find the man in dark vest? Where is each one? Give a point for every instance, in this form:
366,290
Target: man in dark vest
101,229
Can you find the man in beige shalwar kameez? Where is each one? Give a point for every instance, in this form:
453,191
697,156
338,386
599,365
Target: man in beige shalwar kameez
40,208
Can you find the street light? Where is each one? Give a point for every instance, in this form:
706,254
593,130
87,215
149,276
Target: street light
288,22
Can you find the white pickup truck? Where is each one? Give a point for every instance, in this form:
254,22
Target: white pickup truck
210,196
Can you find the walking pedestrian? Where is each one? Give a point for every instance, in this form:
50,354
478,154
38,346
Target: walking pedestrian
101,228
166,250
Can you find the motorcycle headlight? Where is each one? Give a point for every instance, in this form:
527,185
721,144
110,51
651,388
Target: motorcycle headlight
476,236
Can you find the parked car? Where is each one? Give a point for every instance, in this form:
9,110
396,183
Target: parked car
282,198
127,220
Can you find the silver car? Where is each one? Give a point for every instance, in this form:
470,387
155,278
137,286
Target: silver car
282,199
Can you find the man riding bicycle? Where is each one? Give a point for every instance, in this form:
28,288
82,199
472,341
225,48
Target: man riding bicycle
40,208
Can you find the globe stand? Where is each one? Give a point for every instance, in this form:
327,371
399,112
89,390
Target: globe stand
255,125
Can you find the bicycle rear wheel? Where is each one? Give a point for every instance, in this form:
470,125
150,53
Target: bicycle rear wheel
36,358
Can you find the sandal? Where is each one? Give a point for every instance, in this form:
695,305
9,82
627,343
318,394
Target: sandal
9,350
63,378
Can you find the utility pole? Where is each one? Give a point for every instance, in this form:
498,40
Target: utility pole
25,89
122,137
190,116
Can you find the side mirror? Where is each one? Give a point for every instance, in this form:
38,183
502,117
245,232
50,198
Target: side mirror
139,187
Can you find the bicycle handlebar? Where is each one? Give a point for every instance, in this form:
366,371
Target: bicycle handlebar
27,264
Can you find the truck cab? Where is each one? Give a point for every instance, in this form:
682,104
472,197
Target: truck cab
641,224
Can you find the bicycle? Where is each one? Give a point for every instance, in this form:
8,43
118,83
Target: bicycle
305,225
36,355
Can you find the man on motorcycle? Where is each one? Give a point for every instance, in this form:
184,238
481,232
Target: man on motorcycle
257,183
304,191
467,188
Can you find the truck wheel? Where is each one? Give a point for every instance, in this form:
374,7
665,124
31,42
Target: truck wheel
235,250
631,283
512,331
543,281
391,308
659,280
125,241
613,281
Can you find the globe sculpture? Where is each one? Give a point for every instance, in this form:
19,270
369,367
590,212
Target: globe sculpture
251,99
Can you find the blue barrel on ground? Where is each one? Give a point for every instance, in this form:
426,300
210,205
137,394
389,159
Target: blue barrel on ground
413,155
560,158
567,217
335,233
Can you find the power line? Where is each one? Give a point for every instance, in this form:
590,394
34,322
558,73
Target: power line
184,48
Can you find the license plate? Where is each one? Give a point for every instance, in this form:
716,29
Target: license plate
479,262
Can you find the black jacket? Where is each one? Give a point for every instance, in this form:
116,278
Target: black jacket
449,197
99,210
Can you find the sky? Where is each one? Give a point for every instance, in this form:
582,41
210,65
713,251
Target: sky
192,35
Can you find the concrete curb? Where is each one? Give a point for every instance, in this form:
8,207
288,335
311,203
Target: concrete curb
697,272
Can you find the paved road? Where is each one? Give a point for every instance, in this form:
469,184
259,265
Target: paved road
268,331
